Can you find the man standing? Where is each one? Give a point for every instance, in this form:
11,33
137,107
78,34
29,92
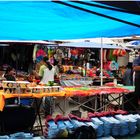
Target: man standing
42,66
136,68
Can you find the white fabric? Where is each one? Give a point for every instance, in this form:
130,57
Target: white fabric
34,52
48,76
75,82
89,45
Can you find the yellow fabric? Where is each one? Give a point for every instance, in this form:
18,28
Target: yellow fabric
41,70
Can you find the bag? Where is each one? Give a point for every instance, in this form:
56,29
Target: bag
84,132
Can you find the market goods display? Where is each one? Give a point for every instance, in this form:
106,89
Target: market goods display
18,135
114,123
9,84
44,89
15,86
27,87
88,91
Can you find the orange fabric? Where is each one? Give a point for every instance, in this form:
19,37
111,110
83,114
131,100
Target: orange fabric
9,95
4,96
2,102
74,52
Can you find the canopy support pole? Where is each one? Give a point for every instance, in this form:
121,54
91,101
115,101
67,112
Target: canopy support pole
101,62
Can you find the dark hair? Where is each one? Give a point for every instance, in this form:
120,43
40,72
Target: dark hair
9,68
45,59
129,65
55,62
49,65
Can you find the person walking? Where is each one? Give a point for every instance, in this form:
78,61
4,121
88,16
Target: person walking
136,69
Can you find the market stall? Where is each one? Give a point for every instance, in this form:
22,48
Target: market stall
104,61
68,20
54,91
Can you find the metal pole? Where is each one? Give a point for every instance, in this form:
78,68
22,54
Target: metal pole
101,61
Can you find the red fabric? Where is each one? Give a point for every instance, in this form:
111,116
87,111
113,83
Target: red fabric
48,118
74,117
106,113
109,84
85,120
80,51
58,117
121,112
123,53
40,52
115,52
74,52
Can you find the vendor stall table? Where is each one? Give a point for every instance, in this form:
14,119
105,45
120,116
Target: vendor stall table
101,97
4,96
75,82
93,93
70,92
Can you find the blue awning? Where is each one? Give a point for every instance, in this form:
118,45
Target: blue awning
47,20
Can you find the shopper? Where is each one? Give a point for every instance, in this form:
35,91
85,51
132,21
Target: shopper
10,74
136,68
39,75
128,75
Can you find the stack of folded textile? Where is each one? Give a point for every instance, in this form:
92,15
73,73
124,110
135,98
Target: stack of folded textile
51,128
19,135
131,123
107,125
99,126
124,129
76,121
115,127
113,123
136,117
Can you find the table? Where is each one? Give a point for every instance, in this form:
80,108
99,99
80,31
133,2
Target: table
93,93
4,96
99,95
75,82
70,92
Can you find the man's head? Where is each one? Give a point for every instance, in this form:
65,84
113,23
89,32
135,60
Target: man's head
45,59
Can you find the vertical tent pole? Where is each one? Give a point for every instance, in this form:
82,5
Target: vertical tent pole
101,61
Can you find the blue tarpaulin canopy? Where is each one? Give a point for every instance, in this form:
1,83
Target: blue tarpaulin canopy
47,20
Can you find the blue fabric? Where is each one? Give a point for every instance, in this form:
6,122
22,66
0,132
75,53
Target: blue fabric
4,137
26,101
21,135
69,125
46,20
